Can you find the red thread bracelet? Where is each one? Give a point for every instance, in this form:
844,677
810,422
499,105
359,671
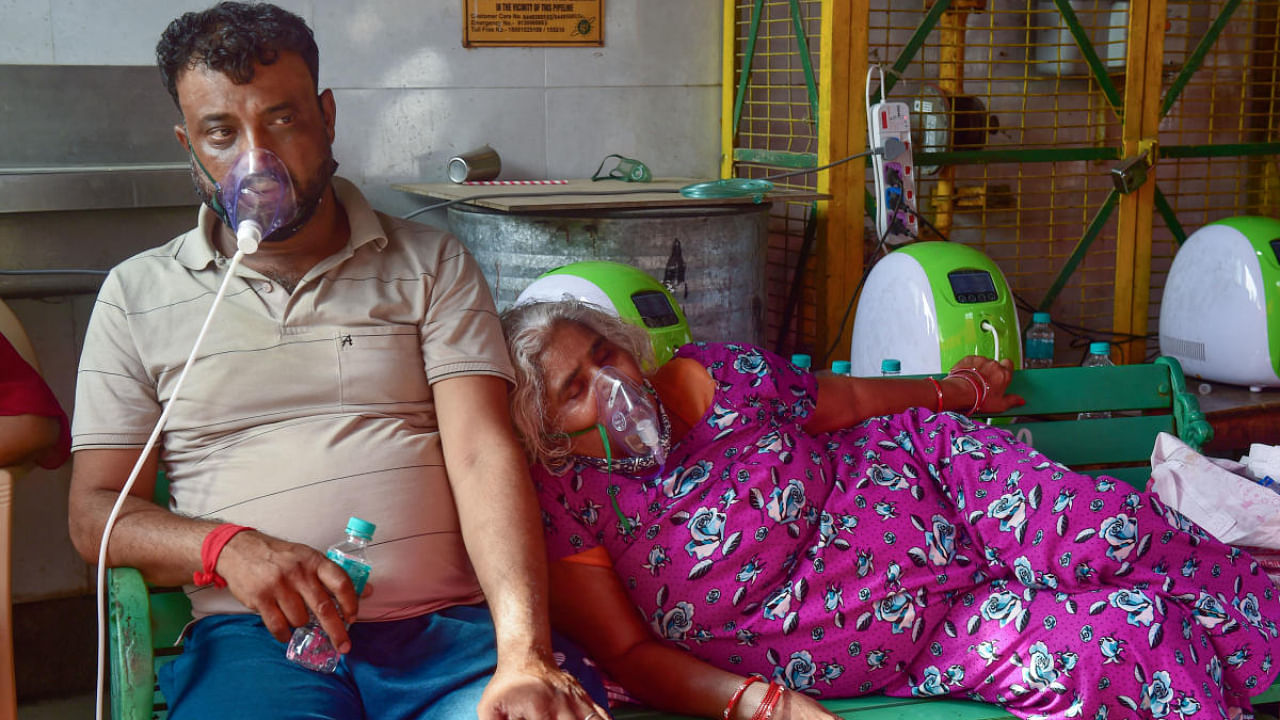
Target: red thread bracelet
770,701
210,549
737,694
937,387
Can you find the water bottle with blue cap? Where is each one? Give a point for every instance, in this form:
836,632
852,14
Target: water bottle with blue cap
1099,356
310,645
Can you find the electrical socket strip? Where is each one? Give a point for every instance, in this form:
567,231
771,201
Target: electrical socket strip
895,179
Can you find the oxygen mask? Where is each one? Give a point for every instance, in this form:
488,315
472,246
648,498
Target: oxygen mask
628,415
257,194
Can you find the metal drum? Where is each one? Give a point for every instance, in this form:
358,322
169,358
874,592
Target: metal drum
711,258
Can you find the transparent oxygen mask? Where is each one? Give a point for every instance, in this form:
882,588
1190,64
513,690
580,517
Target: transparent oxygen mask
628,415
258,195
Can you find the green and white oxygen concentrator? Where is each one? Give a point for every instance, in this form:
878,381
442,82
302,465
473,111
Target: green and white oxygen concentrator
1220,312
626,291
929,304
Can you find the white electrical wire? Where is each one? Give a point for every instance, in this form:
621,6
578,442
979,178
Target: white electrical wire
988,327
142,458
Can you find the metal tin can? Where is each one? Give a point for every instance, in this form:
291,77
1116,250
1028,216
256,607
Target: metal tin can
481,163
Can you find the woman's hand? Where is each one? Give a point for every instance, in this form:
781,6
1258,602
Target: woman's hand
997,375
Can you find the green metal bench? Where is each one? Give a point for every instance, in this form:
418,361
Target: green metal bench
1144,399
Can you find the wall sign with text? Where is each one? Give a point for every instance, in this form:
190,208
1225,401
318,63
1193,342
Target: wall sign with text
526,23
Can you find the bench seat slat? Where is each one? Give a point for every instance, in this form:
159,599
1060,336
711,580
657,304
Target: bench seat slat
1099,441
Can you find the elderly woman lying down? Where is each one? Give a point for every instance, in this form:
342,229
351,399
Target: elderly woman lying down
728,517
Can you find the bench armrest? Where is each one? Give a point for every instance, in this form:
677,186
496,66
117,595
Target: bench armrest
129,656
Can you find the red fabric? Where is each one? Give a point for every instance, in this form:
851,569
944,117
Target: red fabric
24,392
210,549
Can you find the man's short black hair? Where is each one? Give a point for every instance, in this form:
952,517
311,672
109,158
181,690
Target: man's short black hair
231,38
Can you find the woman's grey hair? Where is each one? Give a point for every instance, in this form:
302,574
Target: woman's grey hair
528,329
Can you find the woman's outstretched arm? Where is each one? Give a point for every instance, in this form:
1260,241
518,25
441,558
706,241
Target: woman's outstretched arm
590,605
845,401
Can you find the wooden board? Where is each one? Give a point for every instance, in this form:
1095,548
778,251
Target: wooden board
585,194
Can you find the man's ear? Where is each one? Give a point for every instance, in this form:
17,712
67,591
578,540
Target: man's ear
329,108
180,132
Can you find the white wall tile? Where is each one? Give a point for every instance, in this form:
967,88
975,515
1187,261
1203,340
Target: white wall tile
646,42
92,32
386,136
26,35
407,43
675,131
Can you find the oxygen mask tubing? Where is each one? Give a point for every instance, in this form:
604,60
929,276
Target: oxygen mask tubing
257,198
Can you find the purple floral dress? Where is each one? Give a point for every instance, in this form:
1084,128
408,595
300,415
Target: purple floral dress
918,554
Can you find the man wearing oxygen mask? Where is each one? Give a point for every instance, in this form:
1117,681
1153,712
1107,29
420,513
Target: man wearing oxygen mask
355,356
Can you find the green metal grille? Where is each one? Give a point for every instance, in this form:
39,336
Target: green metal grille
777,130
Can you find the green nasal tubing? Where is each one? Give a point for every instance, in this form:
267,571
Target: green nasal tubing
608,458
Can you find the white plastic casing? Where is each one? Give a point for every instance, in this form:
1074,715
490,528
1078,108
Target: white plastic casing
885,120
1213,314
554,288
898,288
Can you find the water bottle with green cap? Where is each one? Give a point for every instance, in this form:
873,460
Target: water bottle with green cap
310,645
802,361
890,367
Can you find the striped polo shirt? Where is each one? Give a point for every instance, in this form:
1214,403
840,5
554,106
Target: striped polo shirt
302,408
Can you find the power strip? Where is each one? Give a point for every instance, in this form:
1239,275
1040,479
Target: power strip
895,179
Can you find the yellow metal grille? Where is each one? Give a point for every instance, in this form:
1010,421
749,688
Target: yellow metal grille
1021,85
777,116
1033,134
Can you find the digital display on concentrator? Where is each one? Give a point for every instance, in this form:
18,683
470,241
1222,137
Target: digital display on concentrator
972,286
655,309
1275,248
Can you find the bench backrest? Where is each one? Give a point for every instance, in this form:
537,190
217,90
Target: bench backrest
1144,400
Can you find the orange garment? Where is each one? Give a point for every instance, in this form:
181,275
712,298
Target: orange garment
686,390
596,556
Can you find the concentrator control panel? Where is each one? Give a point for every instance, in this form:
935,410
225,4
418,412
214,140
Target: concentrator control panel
655,309
972,286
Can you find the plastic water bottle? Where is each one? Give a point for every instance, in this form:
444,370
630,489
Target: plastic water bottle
1099,356
802,361
890,367
310,645
838,368
1039,352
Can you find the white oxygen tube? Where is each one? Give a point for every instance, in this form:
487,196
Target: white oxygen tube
248,236
995,336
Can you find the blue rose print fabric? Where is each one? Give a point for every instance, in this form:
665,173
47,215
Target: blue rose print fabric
917,555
